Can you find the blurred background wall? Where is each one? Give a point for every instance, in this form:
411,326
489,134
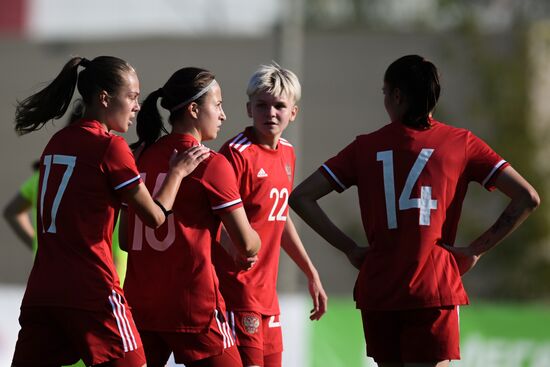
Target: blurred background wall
493,56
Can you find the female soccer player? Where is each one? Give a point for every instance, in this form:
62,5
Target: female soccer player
412,177
73,306
171,283
264,164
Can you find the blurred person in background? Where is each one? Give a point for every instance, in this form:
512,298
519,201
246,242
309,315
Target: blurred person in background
264,164
20,211
171,283
73,307
412,177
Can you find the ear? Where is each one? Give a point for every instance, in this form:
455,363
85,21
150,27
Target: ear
397,96
104,98
293,113
193,109
249,109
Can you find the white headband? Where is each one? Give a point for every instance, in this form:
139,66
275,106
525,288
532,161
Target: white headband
195,97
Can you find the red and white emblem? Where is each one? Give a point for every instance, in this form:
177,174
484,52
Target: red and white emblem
251,323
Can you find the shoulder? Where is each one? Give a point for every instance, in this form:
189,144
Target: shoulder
238,144
214,161
443,128
285,143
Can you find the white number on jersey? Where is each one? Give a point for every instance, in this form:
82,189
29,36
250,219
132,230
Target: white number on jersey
424,203
152,240
68,161
282,196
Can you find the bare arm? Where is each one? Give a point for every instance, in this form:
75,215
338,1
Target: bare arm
242,261
524,200
181,164
304,202
17,215
294,247
245,240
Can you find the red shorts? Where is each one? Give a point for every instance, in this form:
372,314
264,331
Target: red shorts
259,337
412,336
62,336
190,347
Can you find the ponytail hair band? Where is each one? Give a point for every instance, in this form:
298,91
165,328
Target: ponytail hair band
84,62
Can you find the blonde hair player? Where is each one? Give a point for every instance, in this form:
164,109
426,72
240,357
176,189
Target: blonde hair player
264,164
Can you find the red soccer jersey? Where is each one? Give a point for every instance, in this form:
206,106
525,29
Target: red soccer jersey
411,186
171,283
83,168
265,178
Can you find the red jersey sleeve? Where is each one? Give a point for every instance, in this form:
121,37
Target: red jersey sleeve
221,185
119,165
483,164
236,160
340,170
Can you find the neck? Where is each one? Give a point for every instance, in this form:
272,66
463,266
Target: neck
91,115
183,129
269,142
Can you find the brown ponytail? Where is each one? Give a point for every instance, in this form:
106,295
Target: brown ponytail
102,73
49,103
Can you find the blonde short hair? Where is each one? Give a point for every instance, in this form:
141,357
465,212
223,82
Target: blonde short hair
276,81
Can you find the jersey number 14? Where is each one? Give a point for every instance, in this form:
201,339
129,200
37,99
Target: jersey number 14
425,203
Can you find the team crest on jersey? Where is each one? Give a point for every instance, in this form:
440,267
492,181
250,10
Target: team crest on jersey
288,171
251,323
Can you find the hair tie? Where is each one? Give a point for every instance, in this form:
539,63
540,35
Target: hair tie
84,62
195,97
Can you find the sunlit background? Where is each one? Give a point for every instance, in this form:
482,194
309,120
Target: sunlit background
494,60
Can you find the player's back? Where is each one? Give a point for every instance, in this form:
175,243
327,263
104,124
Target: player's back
411,187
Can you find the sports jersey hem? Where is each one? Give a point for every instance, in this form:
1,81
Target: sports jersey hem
413,306
261,311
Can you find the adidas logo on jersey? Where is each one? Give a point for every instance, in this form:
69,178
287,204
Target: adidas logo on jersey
262,173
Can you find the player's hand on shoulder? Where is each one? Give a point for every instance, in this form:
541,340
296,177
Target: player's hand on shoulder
465,257
185,162
357,254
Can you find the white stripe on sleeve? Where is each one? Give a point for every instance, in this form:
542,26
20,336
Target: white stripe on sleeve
334,177
225,205
495,168
125,183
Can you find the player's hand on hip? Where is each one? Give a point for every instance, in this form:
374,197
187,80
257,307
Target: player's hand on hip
185,162
245,263
319,297
465,258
